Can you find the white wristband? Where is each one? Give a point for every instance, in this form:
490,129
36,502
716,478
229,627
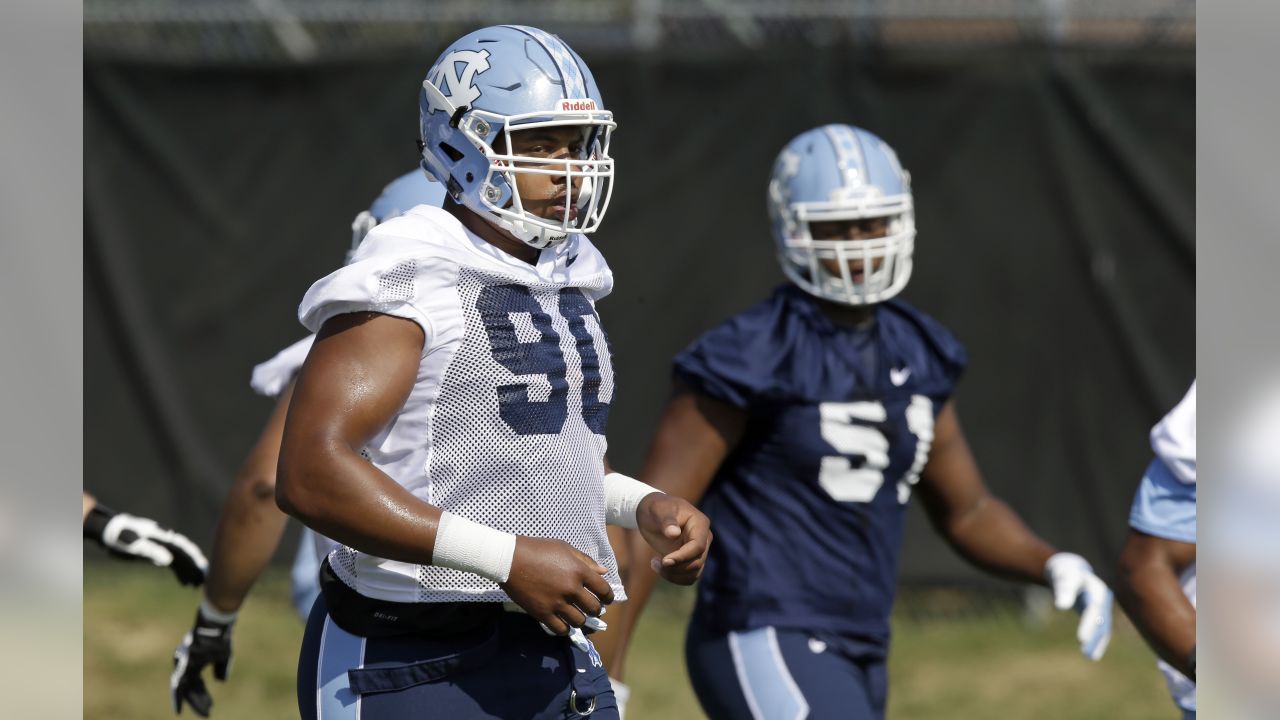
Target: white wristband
214,614
472,547
622,495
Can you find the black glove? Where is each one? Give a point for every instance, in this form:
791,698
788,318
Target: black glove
137,538
207,643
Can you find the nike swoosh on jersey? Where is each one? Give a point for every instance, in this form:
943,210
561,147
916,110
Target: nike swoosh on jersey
898,377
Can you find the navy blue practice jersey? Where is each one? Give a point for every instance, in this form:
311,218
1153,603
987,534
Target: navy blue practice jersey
808,509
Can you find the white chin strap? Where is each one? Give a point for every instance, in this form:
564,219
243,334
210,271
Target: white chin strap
529,234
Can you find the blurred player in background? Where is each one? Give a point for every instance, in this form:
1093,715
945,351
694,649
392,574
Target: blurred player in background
1158,563
130,537
251,525
1242,613
801,427
448,426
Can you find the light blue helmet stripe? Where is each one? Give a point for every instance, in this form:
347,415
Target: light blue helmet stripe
570,73
849,157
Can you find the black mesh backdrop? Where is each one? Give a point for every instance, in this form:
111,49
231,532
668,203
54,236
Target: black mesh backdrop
1055,199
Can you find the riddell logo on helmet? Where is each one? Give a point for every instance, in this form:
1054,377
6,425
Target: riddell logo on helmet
587,104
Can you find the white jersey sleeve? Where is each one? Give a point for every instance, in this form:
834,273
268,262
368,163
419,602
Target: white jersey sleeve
382,278
271,377
1174,438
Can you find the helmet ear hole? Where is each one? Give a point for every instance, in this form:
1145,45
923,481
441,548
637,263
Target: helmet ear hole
454,153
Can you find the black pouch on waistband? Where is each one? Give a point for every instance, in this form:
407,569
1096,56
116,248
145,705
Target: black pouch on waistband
370,617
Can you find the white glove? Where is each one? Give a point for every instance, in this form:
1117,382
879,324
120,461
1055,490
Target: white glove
1075,585
139,538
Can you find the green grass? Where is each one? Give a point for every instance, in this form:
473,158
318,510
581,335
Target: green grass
992,666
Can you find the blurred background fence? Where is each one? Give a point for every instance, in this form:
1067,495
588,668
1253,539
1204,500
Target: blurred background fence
229,143
302,30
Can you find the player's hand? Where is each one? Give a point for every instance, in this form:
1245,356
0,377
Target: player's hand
138,538
1075,585
558,585
207,643
678,532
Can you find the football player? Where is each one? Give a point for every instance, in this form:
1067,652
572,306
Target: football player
1158,562
130,537
802,426
251,526
448,427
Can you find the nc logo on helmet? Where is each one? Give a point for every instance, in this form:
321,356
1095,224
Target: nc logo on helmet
458,87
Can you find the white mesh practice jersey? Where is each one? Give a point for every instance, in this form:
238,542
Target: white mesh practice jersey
505,424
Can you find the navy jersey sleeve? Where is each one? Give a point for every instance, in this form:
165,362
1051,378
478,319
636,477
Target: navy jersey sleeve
729,362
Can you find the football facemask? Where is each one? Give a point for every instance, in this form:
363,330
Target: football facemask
839,173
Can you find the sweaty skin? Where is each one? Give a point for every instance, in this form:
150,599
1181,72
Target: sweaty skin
355,380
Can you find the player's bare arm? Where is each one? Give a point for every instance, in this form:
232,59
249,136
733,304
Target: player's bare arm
359,372
989,534
977,524
1151,593
249,530
356,378
251,524
695,434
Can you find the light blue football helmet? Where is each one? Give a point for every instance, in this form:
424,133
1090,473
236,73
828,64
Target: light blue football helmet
841,172
406,192
503,79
